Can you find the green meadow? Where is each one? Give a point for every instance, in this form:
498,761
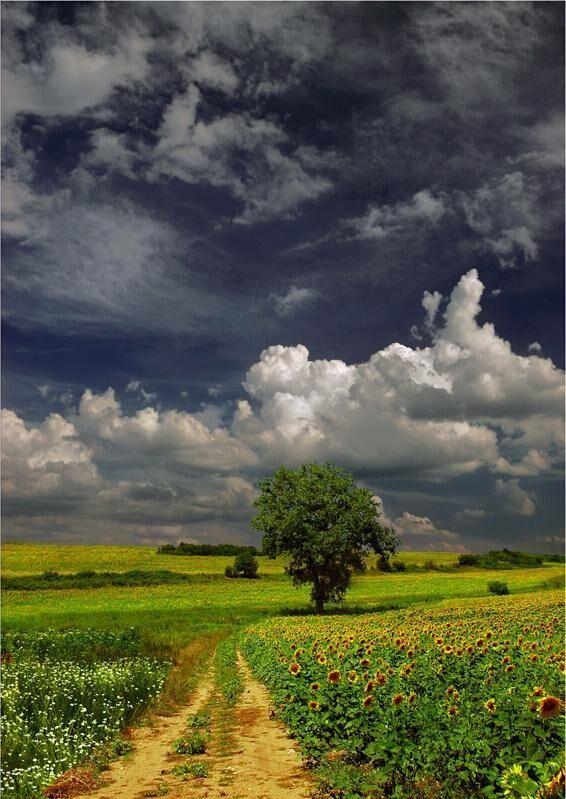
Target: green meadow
117,642
171,615
27,558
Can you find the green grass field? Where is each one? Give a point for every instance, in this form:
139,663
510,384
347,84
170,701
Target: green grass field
208,609
25,558
170,615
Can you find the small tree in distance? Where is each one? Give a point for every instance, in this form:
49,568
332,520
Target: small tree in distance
319,517
245,565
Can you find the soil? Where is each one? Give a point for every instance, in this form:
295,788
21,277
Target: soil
249,754
135,775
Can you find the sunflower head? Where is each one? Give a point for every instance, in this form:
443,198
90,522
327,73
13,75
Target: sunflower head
550,707
333,677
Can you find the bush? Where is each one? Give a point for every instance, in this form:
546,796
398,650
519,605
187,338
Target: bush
245,565
497,587
467,559
399,566
229,571
430,566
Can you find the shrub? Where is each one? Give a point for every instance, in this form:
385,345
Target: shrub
399,566
229,571
430,566
245,565
498,587
467,559
50,575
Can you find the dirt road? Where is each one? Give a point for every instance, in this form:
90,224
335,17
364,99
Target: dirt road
249,753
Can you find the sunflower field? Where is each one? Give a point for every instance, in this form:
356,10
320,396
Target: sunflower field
457,701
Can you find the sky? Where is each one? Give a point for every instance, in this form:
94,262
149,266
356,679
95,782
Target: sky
243,235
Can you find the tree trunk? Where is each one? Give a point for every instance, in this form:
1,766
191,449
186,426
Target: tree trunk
319,605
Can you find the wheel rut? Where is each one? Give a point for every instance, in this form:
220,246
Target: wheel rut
249,753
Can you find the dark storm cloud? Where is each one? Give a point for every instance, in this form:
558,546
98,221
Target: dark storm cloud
188,184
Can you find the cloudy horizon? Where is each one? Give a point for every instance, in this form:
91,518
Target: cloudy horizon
249,234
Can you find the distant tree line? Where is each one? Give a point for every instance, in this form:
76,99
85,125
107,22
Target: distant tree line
205,549
506,558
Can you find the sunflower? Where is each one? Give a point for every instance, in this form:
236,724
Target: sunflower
538,691
294,668
315,686
550,707
352,676
368,701
452,710
397,699
333,677
490,705
313,705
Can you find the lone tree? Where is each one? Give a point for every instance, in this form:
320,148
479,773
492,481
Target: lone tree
326,523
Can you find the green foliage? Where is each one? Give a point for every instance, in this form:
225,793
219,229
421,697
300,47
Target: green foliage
324,522
384,563
399,566
61,701
245,565
447,699
49,581
467,559
204,549
227,675
193,744
190,770
498,587
200,721
503,559
80,646
554,558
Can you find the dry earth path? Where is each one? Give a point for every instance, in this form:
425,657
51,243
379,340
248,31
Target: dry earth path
249,755
136,774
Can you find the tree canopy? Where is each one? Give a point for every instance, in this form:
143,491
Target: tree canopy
319,517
